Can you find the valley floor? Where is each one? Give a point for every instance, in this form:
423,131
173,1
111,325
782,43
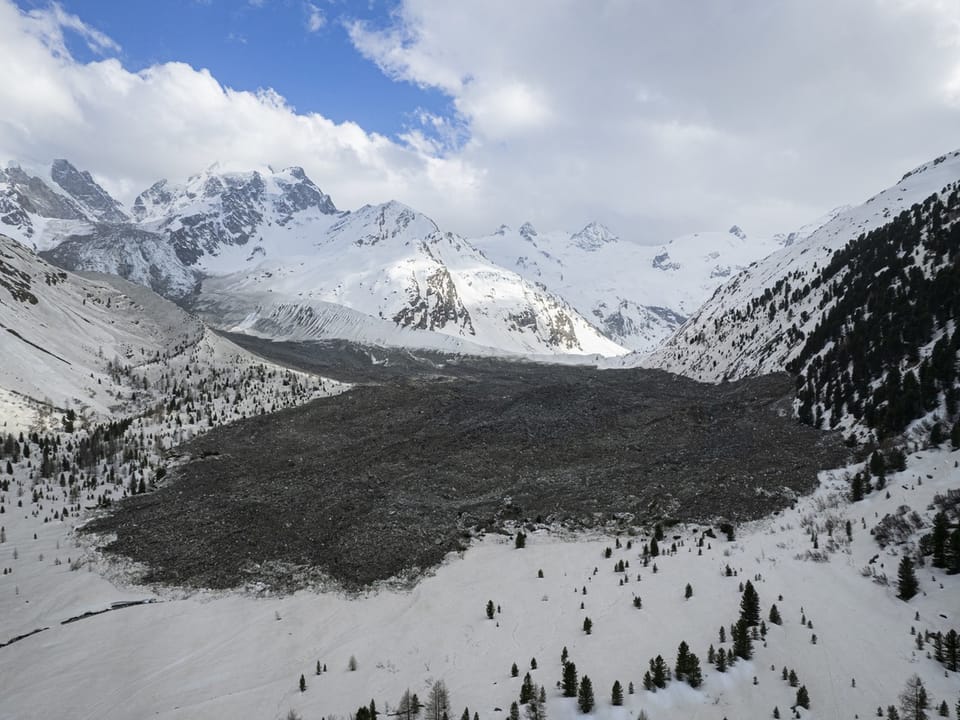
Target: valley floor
205,655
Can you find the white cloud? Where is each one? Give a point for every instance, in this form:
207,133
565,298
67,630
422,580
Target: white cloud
666,117
316,20
171,120
49,23
656,117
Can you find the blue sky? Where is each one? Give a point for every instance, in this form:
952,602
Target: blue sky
266,44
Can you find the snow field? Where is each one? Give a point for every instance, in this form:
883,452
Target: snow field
228,655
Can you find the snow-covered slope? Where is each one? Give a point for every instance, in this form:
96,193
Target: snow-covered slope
61,333
729,338
273,246
393,264
851,643
636,295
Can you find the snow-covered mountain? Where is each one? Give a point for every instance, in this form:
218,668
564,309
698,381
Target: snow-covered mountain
274,254
865,312
397,268
757,322
636,295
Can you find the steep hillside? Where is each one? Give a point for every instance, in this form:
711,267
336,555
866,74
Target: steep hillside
636,295
864,310
65,334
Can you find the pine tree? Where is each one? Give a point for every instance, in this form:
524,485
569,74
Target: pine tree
951,651
654,548
319,669
694,675
742,644
521,540
585,700
944,710
750,605
564,655
659,669
527,689
683,658
776,712
856,488
688,592
303,684
514,711
793,679
533,663
907,585
569,679
514,670
587,625
775,615
616,694
940,538
648,682
537,708
490,609
721,660
803,698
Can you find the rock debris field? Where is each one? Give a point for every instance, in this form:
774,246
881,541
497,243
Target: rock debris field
386,479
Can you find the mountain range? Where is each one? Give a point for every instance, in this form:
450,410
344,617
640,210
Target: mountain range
268,252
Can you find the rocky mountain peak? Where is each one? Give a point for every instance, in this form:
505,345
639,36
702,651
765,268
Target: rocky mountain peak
737,232
593,237
81,186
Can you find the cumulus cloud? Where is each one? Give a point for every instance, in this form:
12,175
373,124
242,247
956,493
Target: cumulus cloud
171,120
657,118
663,117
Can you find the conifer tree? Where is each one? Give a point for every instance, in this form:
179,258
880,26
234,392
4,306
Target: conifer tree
514,670
659,669
750,605
514,711
585,700
721,660
907,585
490,609
951,651
803,698
694,674
913,700
616,694
406,708
940,538
688,592
438,701
527,689
569,679
587,625
742,644
648,682
683,658
537,708
775,615
303,683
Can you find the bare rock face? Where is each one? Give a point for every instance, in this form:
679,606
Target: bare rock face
82,187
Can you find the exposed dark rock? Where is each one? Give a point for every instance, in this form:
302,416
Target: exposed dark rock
386,478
